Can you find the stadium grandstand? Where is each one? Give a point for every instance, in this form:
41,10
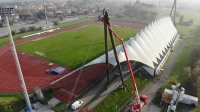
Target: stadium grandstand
151,46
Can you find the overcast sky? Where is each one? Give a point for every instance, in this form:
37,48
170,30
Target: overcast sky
1,1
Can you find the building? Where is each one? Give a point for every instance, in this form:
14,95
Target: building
151,46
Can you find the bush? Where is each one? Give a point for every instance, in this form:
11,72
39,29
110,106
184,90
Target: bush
11,23
1,24
55,23
22,30
61,17
36,19
31,28
13,32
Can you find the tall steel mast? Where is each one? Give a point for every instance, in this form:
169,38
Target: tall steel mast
23,85
45,12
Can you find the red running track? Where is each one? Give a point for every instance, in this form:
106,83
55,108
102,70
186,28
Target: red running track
34,68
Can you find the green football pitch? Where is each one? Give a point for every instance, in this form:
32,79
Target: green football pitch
69,49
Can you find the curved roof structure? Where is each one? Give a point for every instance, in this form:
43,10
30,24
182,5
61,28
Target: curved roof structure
146,46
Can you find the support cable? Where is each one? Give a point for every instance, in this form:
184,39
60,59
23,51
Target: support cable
87,54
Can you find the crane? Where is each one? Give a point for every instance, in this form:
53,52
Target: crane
140,100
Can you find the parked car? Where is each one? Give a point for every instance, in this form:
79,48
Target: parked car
76,104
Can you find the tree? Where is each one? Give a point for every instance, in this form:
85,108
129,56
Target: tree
196,51
13,32
61,17
36,19
10,23
55,23
31,28
1,24
23,30
191,21
3,20
181,19
193,79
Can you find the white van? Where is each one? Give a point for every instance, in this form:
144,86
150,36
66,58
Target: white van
76,104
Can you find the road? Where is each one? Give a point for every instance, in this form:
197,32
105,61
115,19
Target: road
151,89
17,26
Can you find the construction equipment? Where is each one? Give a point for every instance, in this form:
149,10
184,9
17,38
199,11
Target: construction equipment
140,100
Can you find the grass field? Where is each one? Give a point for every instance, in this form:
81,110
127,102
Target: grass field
16,103
5,40
70,48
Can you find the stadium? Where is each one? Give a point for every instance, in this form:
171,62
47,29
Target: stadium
34,66
146,48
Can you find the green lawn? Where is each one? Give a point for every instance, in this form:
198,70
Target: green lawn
5,40
16,102
185,56
131,20
70,48
119,97
73,23
7,99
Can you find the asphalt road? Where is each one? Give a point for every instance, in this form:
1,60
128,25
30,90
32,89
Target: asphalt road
151,89
17,26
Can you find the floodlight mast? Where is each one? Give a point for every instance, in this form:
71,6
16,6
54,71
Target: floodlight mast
174,8
18,67
138,103
45,12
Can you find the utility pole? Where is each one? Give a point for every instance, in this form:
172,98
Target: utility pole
175,13
10,11
45,13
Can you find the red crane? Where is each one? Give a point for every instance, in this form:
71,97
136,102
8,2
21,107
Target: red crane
142,99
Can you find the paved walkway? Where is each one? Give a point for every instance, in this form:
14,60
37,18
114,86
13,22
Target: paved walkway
151,89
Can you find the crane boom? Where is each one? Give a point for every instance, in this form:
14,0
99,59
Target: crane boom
142,99
128,63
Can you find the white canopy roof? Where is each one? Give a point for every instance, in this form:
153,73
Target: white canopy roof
146,46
